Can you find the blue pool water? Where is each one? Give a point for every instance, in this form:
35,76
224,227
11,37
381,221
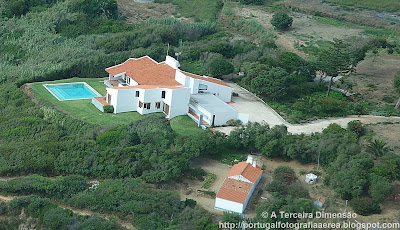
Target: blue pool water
71,91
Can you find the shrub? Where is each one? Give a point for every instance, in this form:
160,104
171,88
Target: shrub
356,127
364,206
281,21
209,180
284,174
233,122
108,108
220,66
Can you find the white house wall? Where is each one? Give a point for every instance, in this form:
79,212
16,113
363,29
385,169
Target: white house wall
223,116
182,78
126,101
179,104
222,92
253,187
152,96
228,205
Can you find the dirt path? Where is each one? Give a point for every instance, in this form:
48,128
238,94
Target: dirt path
81,212
260,112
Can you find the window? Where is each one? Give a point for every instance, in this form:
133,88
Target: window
147,105
163,94
140,104
158,105
137,93
202,87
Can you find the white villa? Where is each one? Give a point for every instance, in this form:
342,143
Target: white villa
238,186
146,86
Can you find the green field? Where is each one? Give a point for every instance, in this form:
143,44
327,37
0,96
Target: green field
198,9
380,5
185,126
83,109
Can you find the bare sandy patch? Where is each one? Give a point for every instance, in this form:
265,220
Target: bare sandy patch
140,11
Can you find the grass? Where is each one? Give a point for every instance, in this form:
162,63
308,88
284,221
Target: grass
231,156
185,126
82,109
198,9
209,180
379,5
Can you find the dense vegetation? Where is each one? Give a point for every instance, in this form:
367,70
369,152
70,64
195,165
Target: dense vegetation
39,213
128,198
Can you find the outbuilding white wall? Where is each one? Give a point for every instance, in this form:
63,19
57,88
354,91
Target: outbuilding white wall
228,205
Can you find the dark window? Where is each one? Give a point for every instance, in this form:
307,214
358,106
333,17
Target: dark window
147,105
163,94
158,105
137,93
140,104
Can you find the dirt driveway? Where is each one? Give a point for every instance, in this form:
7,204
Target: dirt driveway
260,112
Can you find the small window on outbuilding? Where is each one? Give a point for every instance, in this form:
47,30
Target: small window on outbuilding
147,105
163,94
137,93
158,105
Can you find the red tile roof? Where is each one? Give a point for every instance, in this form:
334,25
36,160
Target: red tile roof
102,100
234,190
132,64
146,71
246,170
209,79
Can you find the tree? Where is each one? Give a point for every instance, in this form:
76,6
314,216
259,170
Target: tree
380,187
364,206
281,21
220,67
334,60
378,148
284,174
273,83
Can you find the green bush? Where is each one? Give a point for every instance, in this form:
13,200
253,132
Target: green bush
220,67
233,122
365,206
108,108
281,21
284,174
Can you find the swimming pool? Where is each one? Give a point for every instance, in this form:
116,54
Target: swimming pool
71,91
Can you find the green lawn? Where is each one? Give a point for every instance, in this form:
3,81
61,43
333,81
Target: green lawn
185,126
200,9
380,5
83,109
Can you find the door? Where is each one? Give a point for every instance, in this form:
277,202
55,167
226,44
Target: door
166,109
109,98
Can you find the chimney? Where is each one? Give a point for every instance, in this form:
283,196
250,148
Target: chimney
250,159
254,164
172,62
